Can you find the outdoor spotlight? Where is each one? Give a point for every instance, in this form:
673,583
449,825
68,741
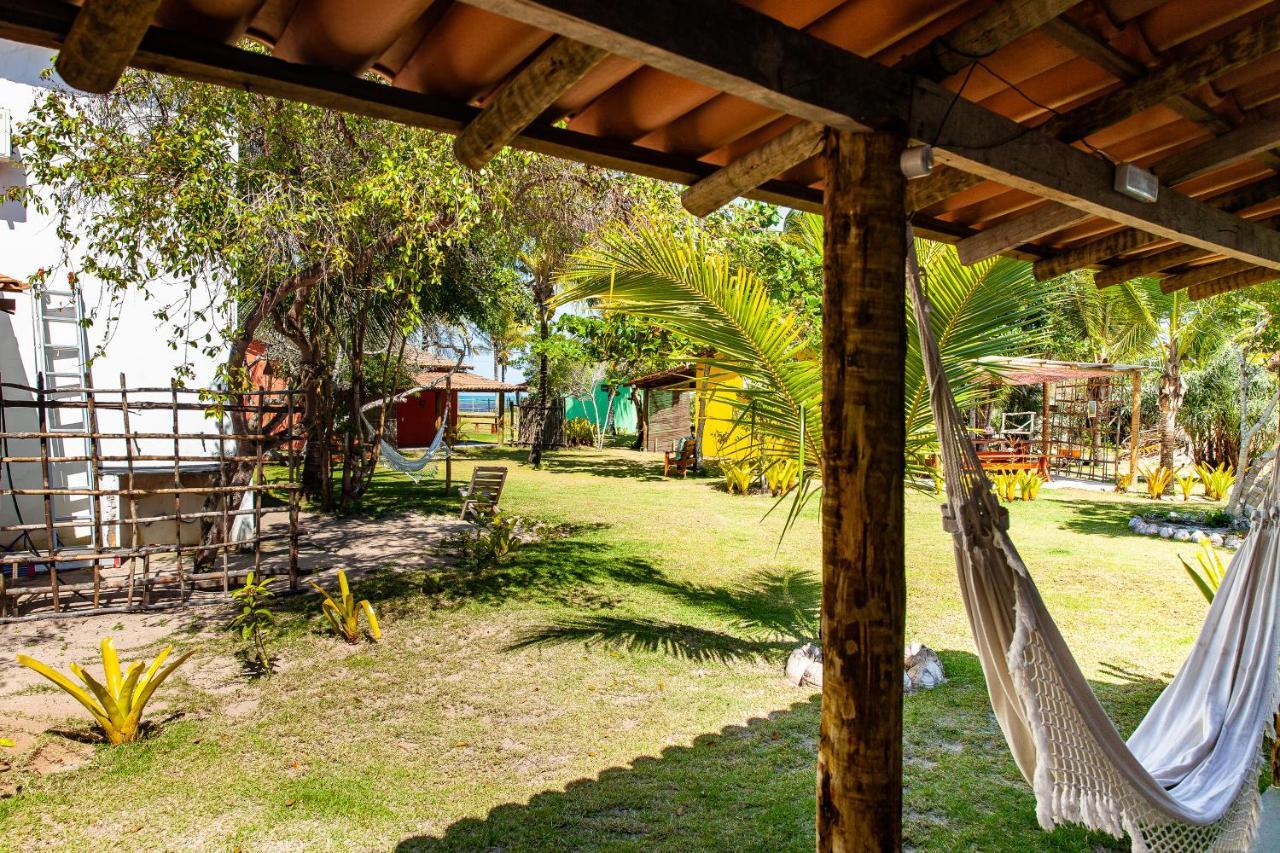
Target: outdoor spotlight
917,162
1136,182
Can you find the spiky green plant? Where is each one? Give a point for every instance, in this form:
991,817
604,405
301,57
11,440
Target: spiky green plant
343,612
1211,572
1029,483
1186,483
738,474
1217,481
116,702
1158,480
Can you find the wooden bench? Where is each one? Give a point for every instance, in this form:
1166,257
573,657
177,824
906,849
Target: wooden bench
484,492
681,457
1014,460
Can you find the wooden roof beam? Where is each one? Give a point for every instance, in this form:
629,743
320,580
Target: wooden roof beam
1229,283
743,52
102,40
1173,80
1221,57
1147,265
1128,240
1203,275
982,35
788,149
549,75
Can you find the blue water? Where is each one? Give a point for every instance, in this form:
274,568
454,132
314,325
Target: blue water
475,403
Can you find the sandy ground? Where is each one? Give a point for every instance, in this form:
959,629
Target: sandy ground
31,708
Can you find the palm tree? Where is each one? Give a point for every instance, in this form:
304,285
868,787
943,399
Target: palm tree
681,284
1191,332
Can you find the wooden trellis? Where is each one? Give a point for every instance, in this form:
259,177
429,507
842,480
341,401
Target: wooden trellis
104,555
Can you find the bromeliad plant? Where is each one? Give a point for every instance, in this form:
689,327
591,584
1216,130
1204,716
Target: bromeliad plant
1211,572
116,702
1006,485
1029,483
1217,481
344,611
781,476
1186,482
738,474
1158,480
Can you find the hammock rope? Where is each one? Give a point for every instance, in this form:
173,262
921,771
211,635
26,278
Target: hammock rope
1187,777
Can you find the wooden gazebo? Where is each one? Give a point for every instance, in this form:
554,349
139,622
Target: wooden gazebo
1079,430
1133,136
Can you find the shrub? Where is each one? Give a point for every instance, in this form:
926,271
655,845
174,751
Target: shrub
118,701
737,474
344,611
492,541
1124,481
255,618
1158,480
579,432
1219,518
1217,481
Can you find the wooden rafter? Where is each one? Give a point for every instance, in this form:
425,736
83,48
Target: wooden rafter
1221,57
1147,264
983,34
1128,240
754,168
791,71
1250,139
102,41
1254,137
1204,274
560,65
1227,284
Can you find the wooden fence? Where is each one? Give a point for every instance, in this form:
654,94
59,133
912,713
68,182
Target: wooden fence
83,502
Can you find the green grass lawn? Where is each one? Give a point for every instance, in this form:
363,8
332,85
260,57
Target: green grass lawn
617,687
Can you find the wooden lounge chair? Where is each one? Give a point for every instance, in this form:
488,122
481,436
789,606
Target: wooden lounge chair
484,492
682,457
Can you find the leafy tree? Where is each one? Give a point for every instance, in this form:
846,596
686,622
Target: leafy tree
333,233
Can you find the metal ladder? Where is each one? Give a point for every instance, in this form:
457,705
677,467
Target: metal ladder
62,343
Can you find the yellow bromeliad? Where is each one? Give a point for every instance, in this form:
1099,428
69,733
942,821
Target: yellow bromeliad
343,612
118,703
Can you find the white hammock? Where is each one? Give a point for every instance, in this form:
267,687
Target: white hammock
1187,777
412,468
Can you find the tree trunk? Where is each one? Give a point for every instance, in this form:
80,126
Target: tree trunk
1171,394
863,574
543,401
642,418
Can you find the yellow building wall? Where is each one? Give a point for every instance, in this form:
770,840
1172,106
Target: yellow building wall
720,436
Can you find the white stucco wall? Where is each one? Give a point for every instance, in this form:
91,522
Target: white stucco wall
137,346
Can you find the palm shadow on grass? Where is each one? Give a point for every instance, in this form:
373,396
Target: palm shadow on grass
1099,518
750,787
769,613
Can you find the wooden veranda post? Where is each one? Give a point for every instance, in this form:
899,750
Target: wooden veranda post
863,581
1046,433
1135,427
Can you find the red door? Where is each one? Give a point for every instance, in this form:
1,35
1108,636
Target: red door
416,420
